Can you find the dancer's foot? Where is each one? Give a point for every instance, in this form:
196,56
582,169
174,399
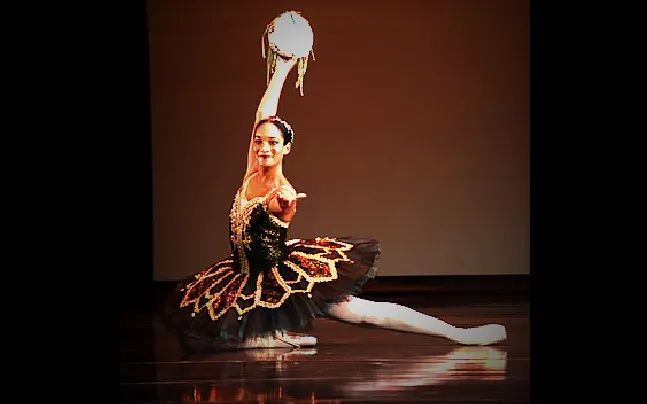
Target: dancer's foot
484,335
264,342
280,339
296,340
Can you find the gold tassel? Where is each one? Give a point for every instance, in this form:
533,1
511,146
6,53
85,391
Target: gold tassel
271,63
302,68
263,44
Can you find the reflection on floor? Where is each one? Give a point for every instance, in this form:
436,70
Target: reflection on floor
351,363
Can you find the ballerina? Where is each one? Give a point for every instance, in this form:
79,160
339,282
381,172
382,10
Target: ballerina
266,293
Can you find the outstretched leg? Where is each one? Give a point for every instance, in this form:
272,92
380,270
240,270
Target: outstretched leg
402,318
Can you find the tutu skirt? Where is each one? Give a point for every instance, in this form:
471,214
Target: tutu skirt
221,306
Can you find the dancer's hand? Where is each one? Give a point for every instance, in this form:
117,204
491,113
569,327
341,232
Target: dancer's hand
285,63
287,198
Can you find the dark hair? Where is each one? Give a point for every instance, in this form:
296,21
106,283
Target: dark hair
281,125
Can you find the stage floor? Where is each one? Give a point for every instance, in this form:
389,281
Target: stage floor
350,364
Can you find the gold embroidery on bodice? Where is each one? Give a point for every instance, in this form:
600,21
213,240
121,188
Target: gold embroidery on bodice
239,217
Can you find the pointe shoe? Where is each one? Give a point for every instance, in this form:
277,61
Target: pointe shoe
296,340
488,334
264,342
280,339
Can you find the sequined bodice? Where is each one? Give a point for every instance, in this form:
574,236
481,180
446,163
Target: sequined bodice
257,237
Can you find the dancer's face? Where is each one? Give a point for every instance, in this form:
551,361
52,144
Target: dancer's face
269,145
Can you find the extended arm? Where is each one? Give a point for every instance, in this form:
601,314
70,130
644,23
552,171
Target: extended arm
269,104
283,203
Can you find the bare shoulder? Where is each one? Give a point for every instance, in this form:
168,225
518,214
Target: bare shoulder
252,188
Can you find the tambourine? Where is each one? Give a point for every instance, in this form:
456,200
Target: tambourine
288,36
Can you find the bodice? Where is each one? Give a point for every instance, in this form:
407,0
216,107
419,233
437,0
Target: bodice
257,237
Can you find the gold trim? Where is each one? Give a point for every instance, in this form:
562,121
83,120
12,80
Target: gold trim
215,316
239,218
286,285
278,221
210,272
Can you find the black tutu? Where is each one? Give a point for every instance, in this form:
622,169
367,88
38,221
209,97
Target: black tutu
267,284
220,307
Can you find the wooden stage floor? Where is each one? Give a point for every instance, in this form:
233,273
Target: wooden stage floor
352,364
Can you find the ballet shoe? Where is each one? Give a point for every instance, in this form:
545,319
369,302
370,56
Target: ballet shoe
265,342
296,340
488,334
280,339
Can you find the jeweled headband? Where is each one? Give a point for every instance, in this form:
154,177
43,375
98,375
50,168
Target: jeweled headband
283,126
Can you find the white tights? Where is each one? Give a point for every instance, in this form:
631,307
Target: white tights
387,315
401,318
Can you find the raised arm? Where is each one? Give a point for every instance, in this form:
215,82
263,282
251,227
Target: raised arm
269,104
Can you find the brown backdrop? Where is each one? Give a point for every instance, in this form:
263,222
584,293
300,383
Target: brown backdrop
414,129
